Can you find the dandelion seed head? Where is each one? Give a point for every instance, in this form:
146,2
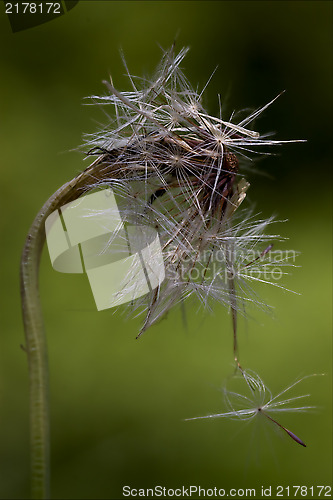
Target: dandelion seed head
177,168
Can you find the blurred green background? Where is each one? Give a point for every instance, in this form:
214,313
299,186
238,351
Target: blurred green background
117,404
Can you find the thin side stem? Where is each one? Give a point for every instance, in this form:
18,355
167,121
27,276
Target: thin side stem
36,347
233,303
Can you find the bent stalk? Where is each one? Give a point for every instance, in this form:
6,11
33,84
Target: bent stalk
36,347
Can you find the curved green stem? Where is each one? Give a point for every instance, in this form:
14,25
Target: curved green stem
36,347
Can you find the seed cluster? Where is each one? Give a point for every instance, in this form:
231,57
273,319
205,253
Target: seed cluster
178,169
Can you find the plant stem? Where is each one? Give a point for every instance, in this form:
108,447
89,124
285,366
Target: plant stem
36,347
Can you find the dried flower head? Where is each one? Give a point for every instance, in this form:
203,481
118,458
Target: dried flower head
174,168
178,169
